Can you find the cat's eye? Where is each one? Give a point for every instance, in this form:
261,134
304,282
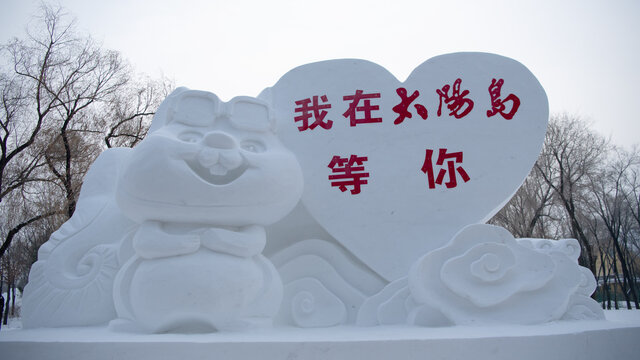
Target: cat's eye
190,136
253,146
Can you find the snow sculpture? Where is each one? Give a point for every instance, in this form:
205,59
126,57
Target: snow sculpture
170,236
485,276
202,185
70,284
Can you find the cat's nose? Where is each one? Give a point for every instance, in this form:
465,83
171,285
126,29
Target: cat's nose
220,140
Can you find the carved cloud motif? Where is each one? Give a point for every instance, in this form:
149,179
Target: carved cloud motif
483,275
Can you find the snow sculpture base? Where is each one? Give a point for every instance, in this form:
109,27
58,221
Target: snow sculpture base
612,339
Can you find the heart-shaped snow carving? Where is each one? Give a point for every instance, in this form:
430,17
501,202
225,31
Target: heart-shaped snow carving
423,179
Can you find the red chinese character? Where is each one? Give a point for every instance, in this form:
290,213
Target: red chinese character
350,175
402,109
366,108
318,113
451,158
497,105
457,101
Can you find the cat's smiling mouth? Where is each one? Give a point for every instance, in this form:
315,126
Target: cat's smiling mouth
217,174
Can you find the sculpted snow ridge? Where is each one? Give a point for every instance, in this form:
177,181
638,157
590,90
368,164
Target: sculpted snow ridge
322,285
70,284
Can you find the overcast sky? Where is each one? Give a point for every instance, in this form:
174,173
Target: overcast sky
585,53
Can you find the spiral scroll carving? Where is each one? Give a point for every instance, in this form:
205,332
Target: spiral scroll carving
71,283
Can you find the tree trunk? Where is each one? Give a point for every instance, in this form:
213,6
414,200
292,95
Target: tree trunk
605,291
1,297
13,232
633,275
617,281
5,319
13,299
627,288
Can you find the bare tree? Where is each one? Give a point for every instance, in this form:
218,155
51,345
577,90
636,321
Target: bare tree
631,182
71,73
128,114
582,187
530,210
64,100
570,158
609,203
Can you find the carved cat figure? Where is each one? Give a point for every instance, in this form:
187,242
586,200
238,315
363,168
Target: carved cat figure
202,185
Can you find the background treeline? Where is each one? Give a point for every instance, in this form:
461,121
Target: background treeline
64,99
585,188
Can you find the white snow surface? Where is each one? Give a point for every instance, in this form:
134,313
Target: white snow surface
614,338
616,319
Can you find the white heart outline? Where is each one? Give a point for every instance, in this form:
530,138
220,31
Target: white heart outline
390,238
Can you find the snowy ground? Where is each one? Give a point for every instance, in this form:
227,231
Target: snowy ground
614,338
14,322
620,317
615,319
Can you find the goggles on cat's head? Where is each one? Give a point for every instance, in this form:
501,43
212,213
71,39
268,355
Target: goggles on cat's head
202,108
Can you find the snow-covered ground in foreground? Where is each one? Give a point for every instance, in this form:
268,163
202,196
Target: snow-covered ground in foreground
615,338
13,322
615,319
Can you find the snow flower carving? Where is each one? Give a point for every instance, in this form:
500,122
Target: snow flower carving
581,305
483,275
